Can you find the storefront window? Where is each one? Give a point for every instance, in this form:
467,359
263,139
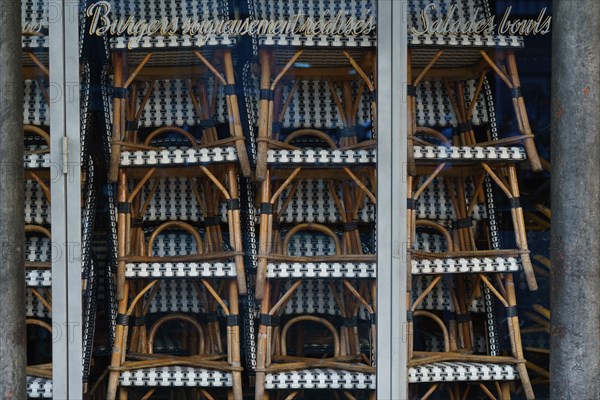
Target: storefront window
221,190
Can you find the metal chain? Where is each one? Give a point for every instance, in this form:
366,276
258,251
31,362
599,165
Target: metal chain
488,297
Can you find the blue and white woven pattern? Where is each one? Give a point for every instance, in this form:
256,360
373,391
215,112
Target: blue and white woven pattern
435,203
180,270
170,105
174,200
320,379
178,157
180,296
314,296
348,270
39,387
38,278
439,298
462,372
312,202
176,376
34,308
312,106
37,209
322,157
35,108
311,244
38,249
177,295
34,13
469,154
465,265
434,108
36,161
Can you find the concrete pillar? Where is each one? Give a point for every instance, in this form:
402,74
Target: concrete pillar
575,324
12,278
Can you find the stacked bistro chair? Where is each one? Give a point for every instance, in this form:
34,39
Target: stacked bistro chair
39,172
457,267
177,152
314,107
460,65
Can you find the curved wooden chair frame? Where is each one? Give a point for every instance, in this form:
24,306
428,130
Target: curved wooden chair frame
37,131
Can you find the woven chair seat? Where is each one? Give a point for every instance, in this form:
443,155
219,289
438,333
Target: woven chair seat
169,104
322,270
36,161
178,157
158,43
38,249
39,387
320,379
35,42
314,296
177,376
144,270
465,265
313,202
176,295
34,16
322,157
38,278
462,372
467,154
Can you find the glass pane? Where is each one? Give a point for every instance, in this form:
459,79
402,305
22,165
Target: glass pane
478,188
234,241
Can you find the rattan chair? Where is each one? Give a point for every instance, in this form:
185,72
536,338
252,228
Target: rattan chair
459,65
456,261
185,73
316,64
316,244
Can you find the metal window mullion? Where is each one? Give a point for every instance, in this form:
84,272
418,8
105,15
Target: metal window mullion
73,196
392,379
60,351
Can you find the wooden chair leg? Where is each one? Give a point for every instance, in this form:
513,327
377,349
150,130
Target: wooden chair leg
235,115
515,333
262,347
123,393
237,233
118,118
234,334
505,386
520,229
521,112
113,378
263,240
263,116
